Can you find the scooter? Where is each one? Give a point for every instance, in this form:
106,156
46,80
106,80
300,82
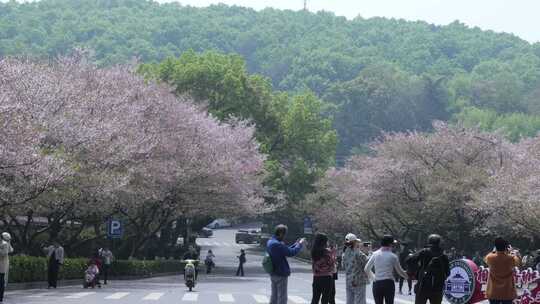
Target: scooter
190,273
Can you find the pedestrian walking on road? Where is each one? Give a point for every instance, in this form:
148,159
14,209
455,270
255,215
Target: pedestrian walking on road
501,262
209,261
241,262
537,260
403,256
354,262
334,249
434,268
55,256
323,263
5,250
107,259
385,262
278,252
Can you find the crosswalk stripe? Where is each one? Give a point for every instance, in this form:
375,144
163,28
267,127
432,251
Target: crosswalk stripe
191,297
215,243
338,301
297,300
226,298
398,300
154,296
117,295
79,295
227,244
261,299
42,294
370,301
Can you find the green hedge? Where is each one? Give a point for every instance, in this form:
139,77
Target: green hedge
144,268
33,269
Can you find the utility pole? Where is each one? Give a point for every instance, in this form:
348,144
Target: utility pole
305,5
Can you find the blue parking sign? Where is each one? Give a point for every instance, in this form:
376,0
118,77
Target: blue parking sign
115,229
308,226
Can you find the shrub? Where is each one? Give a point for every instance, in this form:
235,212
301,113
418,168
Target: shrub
32,269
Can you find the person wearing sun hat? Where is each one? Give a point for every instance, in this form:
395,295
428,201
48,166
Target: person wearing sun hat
354,262
5,250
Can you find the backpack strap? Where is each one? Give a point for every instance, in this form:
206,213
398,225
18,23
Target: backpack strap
422,272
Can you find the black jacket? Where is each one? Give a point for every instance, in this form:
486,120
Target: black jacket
422,258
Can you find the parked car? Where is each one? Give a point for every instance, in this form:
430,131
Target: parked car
206,232
247,236
218,223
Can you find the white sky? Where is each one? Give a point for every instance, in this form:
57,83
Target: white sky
521,17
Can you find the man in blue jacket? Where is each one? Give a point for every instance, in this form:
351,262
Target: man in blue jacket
279,252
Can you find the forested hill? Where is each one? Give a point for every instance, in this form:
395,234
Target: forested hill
380,74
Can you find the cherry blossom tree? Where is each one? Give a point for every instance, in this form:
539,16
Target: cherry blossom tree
81,143
513,195
413,184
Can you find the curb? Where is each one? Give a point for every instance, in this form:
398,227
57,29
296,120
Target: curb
74,282
303,260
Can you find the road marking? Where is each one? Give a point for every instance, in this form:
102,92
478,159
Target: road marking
227,244
261,299
117,296
370,301
216,243
297,300
338,301
154,296
398,300
191,297
79,295
40,295
226,298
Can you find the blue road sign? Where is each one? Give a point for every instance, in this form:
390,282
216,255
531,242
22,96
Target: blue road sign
308,226
114,229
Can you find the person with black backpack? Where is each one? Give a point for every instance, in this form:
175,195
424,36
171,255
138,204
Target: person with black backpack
433,269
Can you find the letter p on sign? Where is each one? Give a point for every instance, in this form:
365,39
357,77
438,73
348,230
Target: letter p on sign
115,230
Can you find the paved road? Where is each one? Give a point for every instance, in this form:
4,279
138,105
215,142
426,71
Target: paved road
219,287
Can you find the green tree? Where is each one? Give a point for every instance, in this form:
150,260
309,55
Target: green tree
308,146
300,143
514,126
384,98
298,51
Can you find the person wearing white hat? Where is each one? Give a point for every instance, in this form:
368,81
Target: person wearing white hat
354,262
5,250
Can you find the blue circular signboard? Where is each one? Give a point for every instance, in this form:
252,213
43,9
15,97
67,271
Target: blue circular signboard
460,285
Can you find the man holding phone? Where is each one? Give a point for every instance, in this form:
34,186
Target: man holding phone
501,262
278,252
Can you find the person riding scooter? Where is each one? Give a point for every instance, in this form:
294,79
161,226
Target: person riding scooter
190,273
209,261
193,254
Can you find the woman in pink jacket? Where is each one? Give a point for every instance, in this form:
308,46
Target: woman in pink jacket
323,264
